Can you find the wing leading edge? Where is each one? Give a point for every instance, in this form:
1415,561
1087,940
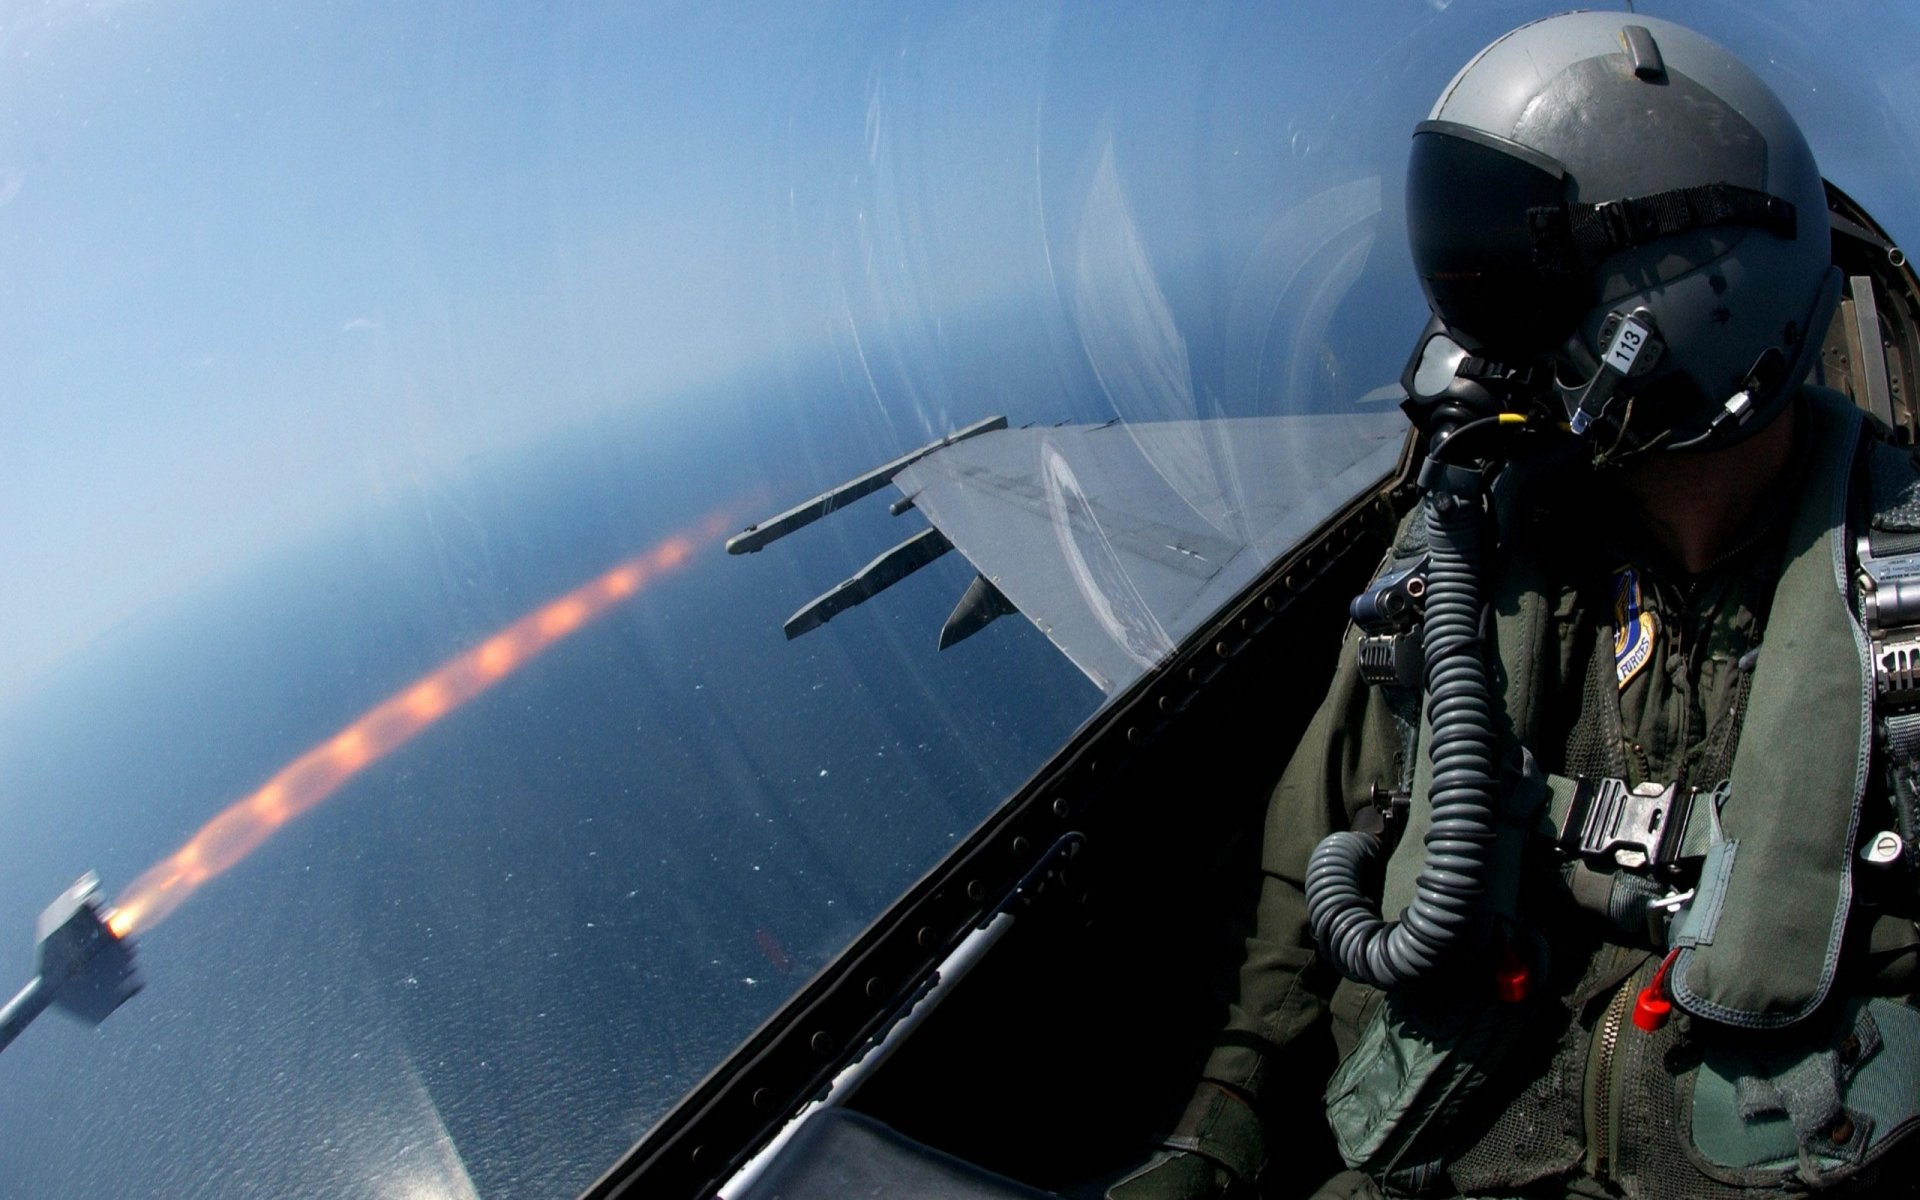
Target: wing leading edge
1115,540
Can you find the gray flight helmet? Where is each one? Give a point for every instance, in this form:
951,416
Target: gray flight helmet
1623,199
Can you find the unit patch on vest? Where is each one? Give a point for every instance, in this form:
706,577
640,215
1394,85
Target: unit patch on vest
1632,627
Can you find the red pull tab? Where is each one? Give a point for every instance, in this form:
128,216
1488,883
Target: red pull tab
1652,1009
1512,980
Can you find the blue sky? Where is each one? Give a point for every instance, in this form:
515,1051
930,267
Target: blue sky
265,261
261,265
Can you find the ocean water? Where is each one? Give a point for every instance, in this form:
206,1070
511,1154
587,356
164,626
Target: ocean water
489,961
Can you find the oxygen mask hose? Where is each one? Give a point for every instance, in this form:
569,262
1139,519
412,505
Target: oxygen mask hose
1444,915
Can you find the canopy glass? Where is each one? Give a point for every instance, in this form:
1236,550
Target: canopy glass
379,383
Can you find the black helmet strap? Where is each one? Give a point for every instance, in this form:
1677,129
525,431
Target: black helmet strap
1573,238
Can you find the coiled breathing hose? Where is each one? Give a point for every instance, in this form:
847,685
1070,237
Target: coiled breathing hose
1444,913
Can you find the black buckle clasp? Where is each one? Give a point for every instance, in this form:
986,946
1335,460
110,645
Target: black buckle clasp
1637,828
1628,221
1391,659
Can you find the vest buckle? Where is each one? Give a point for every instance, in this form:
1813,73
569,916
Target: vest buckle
1391,659
1639,828
1890,604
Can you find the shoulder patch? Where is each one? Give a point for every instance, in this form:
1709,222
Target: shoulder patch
1632,627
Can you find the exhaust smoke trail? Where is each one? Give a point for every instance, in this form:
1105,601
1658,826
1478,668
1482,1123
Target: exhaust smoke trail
317,774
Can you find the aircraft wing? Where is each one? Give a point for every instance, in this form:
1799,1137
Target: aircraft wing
1114,540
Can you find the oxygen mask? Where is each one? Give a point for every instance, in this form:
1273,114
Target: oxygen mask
1471,407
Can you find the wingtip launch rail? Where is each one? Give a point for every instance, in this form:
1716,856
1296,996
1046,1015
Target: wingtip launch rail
887,569
1106,537
757,537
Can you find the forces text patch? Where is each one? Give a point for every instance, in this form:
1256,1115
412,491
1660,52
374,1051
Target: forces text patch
1632,627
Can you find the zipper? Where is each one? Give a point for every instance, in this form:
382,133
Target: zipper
1600,1097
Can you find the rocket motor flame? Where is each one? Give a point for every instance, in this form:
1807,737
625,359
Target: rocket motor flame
317,774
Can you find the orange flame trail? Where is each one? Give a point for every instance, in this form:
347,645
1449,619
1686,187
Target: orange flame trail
317,774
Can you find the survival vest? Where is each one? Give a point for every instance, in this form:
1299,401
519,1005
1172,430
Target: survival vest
1771,1083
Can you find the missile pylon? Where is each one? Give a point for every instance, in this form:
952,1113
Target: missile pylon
84,969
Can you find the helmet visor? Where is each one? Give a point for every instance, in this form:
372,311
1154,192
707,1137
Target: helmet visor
1468,199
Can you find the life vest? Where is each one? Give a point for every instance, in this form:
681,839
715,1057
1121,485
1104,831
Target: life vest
1773,1065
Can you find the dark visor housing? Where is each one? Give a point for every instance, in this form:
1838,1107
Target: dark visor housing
1507,260
1470,196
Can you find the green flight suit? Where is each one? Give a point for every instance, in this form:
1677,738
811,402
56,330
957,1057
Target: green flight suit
1643,673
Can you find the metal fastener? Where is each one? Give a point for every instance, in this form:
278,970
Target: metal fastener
1883,849
1842,1131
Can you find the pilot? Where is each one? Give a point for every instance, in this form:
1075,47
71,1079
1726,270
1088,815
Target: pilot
1596,868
